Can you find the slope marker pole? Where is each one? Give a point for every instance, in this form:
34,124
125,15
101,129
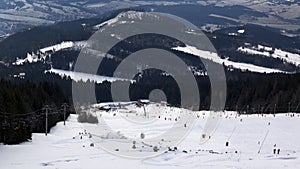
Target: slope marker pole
46,131
263,141
65,109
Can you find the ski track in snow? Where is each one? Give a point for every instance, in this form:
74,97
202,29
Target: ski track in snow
244,133
261,50
85,77
41,54
212,56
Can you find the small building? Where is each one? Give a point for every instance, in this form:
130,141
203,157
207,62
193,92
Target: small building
142,102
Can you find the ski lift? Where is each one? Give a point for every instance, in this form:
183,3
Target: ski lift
16,125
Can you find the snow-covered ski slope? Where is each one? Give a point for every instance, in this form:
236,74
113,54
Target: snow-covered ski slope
69,147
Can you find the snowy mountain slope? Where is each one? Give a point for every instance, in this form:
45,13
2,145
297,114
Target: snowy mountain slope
84,77
270,52
42,54
278,54
20,14
70,146
279,57
215,58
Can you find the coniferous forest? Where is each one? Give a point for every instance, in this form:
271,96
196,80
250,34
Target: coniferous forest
22,109
247,92
22,103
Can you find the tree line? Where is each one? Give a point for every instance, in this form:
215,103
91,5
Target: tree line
22,109
247,92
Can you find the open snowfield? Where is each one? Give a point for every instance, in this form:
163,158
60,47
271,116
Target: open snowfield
69,147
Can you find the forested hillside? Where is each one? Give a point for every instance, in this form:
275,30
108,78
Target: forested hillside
22,106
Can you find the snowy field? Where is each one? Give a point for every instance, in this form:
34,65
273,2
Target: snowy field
70,146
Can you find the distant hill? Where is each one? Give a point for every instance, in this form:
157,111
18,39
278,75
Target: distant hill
246,52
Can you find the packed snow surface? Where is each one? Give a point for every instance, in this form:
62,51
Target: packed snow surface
212,56
130,17
84,77
251,140
42,54
265,51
